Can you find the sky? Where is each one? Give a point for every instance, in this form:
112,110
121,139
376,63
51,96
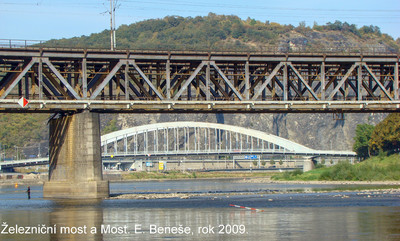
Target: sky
56,19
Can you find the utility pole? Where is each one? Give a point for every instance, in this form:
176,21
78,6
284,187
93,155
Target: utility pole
112,24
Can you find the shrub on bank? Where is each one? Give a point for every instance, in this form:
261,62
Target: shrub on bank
374,169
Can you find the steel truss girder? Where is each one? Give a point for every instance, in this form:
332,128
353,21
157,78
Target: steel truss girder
158,76
27,67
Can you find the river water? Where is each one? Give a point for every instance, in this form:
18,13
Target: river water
289,216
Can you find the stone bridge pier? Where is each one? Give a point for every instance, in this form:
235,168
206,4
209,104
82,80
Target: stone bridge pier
75,168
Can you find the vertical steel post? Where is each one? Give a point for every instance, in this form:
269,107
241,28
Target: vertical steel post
126,144
156,151
164,141
188,137
396,81
323,90
241,143
216,141
285,82
219,140
115,146
174,143
126,84
230,141
184,139
40,79
195,139
205,139
146,137
168,79
84,78
247,80
199,139
209,139
208,73
236,141
359,82
167,141
26,86
105,148
226,140
177,139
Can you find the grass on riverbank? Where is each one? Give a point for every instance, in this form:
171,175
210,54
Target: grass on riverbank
191,175
378,168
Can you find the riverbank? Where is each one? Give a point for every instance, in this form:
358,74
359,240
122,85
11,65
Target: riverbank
239,177
235,187
368,193
175,175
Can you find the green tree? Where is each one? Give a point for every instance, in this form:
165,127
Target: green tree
110,127
386,135
361,140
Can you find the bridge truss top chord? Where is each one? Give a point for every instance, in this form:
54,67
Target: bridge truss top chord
151,81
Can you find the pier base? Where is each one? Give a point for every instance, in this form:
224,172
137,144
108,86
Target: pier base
75,169
308,165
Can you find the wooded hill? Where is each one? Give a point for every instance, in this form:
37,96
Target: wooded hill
230,33
216,33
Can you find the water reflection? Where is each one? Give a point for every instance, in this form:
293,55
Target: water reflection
77,220
286,217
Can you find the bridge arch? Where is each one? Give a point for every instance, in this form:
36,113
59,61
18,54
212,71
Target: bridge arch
196,138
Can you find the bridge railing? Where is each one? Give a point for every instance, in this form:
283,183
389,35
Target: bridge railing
19,43
227,152
277,49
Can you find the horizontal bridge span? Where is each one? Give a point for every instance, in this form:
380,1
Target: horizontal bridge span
200,138
152,81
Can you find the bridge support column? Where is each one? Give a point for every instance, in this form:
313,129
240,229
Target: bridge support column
309,164
75,169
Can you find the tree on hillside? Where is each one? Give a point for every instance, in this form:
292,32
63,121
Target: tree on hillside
110,127
361,140
386,135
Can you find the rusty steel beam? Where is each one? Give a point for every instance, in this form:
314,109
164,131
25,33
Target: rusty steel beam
314,80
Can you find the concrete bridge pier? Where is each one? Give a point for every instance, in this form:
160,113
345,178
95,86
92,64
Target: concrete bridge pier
75,168
309,164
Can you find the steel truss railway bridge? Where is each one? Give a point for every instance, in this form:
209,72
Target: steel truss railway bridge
200,138
79,84
139,81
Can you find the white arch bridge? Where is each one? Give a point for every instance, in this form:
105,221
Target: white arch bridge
200,138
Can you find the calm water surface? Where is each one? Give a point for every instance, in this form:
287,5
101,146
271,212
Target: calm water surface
304,216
